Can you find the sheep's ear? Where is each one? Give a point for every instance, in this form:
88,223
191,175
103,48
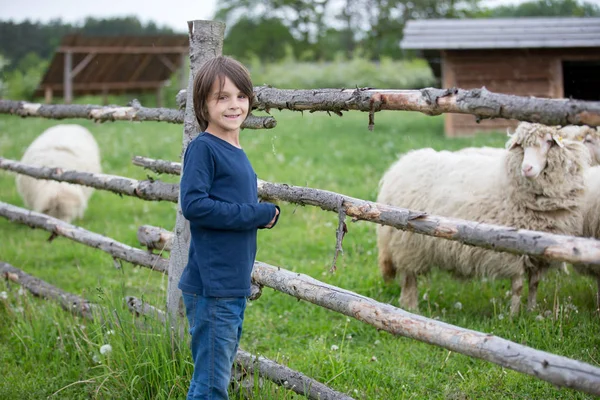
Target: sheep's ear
558,140
512,143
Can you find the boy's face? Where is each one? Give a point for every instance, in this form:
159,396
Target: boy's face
227,108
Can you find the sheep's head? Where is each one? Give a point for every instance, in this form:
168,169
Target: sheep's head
589,136
535,141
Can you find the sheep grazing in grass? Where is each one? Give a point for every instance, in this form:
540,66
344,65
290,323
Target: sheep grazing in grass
69,147
537,184
591,222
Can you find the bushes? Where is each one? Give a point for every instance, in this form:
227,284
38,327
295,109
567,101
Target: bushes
342,73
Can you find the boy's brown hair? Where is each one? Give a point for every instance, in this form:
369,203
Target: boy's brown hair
217,69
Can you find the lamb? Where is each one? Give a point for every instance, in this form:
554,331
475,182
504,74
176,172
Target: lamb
70,147
537,184
591,222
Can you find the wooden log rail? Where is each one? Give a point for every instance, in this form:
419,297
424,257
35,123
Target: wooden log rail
60,228
555,369
135,112
147,189
158,166
70,302
494,237
481,103
277,373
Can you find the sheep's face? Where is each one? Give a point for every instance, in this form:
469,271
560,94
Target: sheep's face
535,147
588,135
592,142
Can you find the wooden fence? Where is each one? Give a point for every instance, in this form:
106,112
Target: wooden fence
206,39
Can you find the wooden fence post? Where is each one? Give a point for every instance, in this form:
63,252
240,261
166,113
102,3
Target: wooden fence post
206,42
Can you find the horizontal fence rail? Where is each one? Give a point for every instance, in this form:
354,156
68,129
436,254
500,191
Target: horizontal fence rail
70,302
80,235
113,113
481,103
490,236
558,370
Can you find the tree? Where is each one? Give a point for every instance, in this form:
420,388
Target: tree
547,8
266,38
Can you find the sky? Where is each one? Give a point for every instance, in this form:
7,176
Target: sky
173,14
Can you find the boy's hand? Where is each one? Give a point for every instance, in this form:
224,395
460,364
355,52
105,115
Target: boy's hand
270,225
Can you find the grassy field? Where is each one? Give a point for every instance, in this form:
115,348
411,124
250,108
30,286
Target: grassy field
46,353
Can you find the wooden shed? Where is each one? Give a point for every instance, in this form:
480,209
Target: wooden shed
541,57
114,65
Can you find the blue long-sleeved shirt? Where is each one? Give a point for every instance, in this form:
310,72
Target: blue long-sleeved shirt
219,197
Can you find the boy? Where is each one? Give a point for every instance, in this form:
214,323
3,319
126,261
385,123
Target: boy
220,199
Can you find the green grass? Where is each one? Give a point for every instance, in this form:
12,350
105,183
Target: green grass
316,150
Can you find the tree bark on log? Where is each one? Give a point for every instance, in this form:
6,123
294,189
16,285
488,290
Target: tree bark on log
494,237
158,166
69,302
481,103
277,373
147,190
155,238
106,244
552,368
113,113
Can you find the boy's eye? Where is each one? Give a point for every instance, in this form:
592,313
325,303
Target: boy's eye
242,96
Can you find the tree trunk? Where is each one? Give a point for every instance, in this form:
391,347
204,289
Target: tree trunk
206,42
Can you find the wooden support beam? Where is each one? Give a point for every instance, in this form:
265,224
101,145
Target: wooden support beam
124,49
67,85
84,63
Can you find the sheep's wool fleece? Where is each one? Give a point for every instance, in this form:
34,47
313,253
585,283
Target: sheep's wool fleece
591,216
70,147
484,189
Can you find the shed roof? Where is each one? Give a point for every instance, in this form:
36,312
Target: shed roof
501,33
115,64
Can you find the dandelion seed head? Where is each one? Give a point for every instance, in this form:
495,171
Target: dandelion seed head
105,349
458,305
3,295
334,347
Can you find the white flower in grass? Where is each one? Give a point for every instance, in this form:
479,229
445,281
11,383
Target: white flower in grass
110,332
21,291
334,347
501,316
458,305
96,359
105,349
3,295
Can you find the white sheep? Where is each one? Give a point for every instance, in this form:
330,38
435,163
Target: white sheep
591,222
70,147
537,184
589,136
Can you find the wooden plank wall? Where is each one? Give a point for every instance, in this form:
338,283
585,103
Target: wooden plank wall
528,72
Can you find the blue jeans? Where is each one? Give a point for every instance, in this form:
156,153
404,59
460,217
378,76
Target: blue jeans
216,329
